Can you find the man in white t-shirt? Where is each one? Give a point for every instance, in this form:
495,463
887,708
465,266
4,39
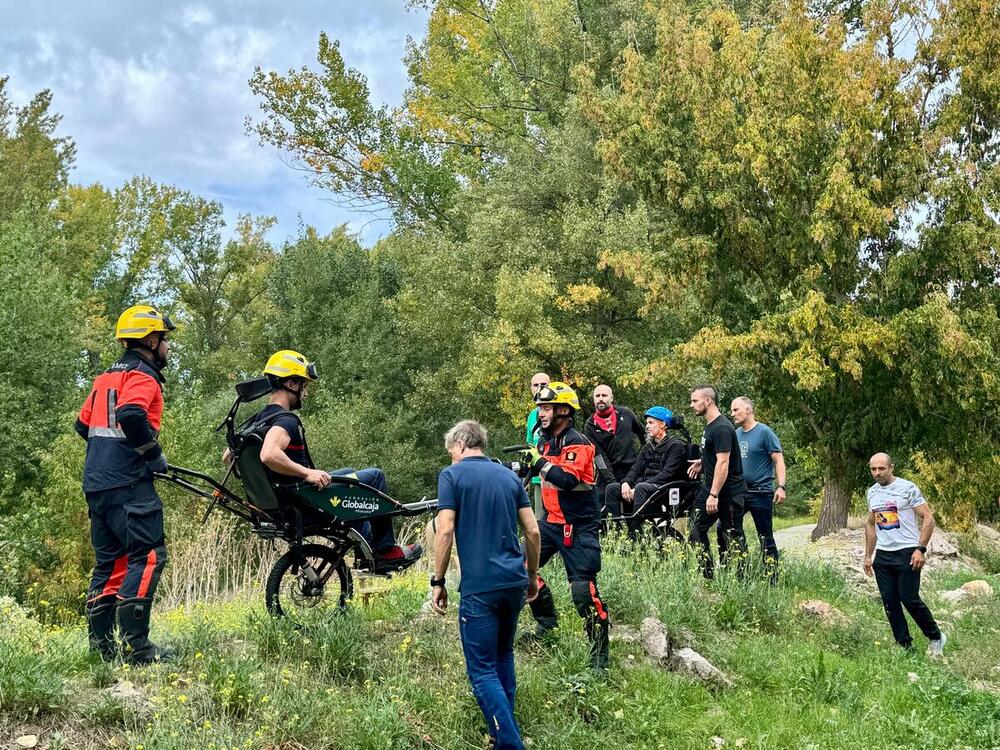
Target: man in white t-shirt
900,548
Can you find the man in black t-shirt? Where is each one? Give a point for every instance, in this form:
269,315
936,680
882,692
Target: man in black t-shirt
722,488
286,456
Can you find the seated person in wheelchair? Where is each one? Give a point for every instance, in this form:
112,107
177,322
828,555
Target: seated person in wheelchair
663,459
286,455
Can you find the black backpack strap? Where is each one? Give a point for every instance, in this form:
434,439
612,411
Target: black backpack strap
261,426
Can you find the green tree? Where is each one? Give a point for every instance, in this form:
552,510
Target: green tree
34,162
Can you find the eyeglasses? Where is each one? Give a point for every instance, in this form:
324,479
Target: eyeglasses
538,385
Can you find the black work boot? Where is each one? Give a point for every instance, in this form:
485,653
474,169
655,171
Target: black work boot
597,632
543,609
133,620
101,627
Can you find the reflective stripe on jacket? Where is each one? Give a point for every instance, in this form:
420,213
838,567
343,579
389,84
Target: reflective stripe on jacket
130,386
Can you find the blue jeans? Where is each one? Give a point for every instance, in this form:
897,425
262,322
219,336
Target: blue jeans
378,532
487,623
760,506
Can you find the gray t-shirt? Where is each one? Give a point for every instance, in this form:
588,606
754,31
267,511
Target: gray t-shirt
756,447
895,521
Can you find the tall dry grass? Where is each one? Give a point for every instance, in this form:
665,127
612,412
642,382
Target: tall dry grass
215,561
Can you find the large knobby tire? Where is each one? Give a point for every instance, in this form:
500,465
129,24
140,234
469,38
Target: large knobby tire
292,592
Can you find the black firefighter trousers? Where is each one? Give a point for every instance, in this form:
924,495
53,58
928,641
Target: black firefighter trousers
126,530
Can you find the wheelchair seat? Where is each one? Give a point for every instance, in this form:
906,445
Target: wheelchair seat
253,475
670,501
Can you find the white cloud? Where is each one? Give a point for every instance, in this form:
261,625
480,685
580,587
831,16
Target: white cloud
197,15
163,91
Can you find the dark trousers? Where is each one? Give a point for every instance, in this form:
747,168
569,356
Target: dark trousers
760,506
899,585
126,531
580,548
581,555
734,541
378,532
486,624
617,506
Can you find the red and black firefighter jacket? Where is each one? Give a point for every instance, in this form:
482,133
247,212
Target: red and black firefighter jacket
568,492
120,420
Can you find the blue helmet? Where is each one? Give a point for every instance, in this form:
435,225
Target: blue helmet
660,412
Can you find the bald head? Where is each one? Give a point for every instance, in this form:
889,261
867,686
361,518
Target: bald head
538,381
881,467
604,397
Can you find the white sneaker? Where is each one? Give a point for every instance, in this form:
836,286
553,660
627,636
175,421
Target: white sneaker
936,648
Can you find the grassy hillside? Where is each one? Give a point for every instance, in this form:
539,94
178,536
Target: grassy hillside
383,676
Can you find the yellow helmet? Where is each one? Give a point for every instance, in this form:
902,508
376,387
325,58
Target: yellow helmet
290,364
141,320
558,392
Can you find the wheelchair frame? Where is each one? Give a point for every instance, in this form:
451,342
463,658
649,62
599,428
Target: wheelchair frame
291,512
670,501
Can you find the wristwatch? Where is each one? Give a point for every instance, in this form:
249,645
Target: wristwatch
437,581
712,494
922,549
781,486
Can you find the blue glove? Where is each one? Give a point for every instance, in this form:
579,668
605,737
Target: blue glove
159,464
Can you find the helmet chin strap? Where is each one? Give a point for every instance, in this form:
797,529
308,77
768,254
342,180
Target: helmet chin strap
297,396
558,418
159,361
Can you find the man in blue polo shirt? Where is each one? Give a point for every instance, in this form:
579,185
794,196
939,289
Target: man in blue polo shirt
480,506
763,462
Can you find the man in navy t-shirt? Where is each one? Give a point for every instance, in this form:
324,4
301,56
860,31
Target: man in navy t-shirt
480,506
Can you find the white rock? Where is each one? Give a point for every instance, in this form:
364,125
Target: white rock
125,690
654,638
953,597
27,740
942,546
914,677
690,662
624,633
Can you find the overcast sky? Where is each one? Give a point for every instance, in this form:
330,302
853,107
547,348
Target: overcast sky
160,89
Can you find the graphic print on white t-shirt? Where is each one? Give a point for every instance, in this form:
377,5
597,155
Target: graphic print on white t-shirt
887,517
895,520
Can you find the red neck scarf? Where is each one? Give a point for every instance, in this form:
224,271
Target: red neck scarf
607,420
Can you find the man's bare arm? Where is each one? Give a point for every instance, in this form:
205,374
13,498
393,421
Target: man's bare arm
532,538
721,472
273,455
444,538
869,542
927,524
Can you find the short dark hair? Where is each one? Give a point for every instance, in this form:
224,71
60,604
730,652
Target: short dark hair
709,389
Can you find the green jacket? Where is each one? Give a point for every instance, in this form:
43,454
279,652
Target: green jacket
531,437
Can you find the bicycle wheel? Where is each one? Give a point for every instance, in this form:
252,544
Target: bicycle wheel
308,582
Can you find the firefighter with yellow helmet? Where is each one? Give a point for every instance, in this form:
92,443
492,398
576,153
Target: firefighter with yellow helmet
120,420
571,522
285,454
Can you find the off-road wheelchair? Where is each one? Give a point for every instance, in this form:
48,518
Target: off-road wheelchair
309,576
668,503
